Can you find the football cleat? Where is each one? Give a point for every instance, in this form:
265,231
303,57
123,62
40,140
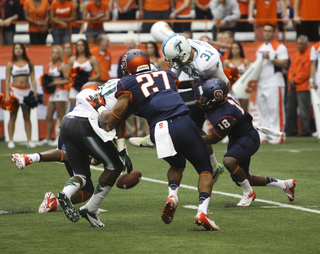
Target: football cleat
289,190
92,217
169,209
219,170
69,210
203,219
142,142
49,204
21,160
247,199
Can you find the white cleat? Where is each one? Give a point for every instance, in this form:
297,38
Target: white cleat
203,219
49,204
142,142
247,199
21,160
289,190
92,217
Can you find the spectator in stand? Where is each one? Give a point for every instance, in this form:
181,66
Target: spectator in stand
10,11
202,9
59,98
266,10
306,17
67,52
238,61
103,55
21,69
299,93
78,28
227,12
129,44
181,12
98,12
62,13
224,50
36,12
127,9
152,9
315,66
153,53
87,62
271,85
244,11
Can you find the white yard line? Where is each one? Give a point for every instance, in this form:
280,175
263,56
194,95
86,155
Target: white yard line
229,195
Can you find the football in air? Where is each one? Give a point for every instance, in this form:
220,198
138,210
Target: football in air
127,181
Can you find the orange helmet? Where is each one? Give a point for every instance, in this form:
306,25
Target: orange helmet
135,61
90,85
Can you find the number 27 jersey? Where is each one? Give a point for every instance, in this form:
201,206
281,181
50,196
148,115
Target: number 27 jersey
153,94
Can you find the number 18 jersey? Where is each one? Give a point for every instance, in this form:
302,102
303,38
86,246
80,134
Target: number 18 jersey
153,94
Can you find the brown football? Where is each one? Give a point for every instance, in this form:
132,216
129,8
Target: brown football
127,181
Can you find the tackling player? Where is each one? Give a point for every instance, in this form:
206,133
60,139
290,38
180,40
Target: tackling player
229,118
153,95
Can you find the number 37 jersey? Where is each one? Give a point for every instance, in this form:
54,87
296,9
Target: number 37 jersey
153,94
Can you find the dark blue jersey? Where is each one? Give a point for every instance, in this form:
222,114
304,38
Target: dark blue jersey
153,95
229,112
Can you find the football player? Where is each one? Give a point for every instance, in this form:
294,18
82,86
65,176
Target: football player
153,95
229,118
197,60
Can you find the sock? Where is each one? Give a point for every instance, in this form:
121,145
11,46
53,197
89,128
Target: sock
173,188
204,199
35,157
99,194
71,187
213,161
246,186
272,182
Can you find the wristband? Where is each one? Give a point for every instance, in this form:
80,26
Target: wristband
271,58
121,144
100,109
311,80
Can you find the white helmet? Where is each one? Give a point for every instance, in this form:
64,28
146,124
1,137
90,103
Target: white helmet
176,50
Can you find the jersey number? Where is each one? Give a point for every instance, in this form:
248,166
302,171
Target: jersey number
150,87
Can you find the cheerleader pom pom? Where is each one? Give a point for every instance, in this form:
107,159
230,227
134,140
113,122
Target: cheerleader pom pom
44,81
81,78
12,104
232,74
30,101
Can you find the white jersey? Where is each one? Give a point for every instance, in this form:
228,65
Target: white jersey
315,56
270,74
206,63
84,109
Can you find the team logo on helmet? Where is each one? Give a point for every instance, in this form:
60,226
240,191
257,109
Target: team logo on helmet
218,95
177,46
124,62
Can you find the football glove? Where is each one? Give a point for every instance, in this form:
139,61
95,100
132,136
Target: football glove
126,161
96,101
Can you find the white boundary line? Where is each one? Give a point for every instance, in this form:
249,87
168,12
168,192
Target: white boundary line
229,194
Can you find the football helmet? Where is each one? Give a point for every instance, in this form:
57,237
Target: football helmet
135,61
176,50
90,85
212,93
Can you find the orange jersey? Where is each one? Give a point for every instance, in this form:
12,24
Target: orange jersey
104,60
243,8
155,5
122,4
309,9
185,11
62,11
94,11
266,9
204,2
38,14
299,70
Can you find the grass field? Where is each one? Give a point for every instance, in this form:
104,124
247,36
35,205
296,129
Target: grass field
271,224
